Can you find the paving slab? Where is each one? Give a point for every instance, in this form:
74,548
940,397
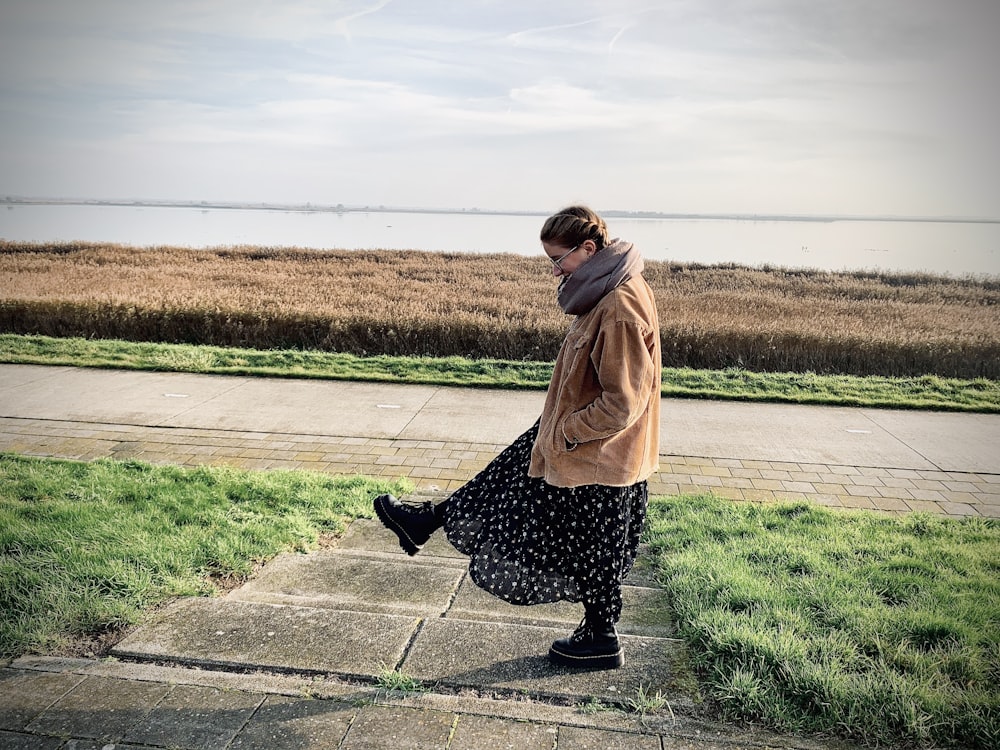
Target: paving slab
949,440
745,738
474,415
578,738
338,581
473,603
382,727
116,396
247,680
489,656
789,433
15,376
22,741
195,717
368,535
310,407
99,708
24,695
247,634
478,732
286,723
98,745
639,613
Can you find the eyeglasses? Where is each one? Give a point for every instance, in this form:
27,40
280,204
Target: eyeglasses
556,261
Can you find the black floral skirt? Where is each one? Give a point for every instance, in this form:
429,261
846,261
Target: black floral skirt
532,543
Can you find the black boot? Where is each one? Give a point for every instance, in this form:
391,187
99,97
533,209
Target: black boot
594,645
413,524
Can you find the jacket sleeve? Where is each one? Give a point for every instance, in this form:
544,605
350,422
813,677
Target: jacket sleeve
625,370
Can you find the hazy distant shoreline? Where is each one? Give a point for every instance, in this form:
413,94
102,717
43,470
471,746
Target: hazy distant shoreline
12,201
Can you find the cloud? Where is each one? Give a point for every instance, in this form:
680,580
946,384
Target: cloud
342,24
687,101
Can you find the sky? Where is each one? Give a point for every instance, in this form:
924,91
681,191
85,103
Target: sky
843,107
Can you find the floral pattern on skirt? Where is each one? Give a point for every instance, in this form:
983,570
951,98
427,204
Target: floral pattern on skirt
532,543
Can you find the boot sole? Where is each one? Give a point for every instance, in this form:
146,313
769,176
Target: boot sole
404,540
595,661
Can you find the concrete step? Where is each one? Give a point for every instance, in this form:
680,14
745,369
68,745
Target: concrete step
226,634
364,607
640,616
488,657
387,584
423,586
364,535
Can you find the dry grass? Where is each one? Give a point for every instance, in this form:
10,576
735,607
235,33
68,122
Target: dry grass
503,306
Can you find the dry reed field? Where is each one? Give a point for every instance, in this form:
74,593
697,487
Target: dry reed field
499,306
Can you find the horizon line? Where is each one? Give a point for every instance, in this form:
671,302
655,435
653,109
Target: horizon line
309,206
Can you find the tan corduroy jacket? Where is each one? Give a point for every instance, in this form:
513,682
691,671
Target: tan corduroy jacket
601,420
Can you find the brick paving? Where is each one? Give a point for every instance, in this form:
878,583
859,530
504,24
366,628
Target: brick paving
444,466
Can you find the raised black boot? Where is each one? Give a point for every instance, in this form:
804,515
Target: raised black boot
593,645
413,524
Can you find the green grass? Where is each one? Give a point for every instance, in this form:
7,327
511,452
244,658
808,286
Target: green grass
927,392
395,681
883,630
87,548
644,702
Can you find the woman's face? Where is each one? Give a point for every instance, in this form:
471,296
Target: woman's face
565,260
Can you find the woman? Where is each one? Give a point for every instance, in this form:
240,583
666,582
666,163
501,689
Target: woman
558,514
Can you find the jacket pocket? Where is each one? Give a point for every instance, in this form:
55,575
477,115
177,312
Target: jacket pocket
580,349
559,442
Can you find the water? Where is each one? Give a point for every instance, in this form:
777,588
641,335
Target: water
953,248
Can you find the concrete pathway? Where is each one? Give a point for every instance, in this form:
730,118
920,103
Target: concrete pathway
294,658
889,460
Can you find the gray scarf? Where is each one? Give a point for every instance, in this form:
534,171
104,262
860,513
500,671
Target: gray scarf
609,268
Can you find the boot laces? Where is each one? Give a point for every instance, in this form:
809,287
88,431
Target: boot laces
583,632
417,508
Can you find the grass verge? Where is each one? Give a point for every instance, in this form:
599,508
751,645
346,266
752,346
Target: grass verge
87,548
883,630
926,392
